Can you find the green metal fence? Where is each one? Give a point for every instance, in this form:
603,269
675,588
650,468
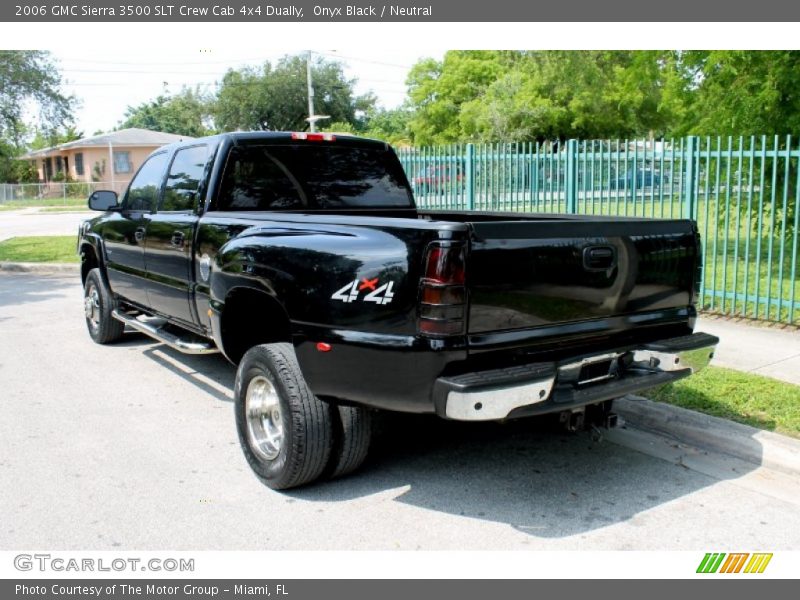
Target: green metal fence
743,192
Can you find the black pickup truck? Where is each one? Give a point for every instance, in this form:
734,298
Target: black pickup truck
302,257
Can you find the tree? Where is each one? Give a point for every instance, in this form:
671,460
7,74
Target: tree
438,90
53,137
186,113
275,97
524,96
29,77
392,125
13,170
736,92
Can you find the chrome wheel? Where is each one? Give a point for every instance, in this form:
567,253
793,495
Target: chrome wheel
91,306
264,419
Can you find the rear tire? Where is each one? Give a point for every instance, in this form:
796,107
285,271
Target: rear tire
98,303
352,436
284,430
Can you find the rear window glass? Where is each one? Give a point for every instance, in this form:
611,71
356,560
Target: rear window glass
312,176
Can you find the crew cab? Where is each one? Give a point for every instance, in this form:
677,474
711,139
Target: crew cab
303,258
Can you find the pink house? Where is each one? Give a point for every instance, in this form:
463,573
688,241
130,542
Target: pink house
111,158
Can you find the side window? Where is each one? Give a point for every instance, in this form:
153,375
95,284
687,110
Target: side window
184,178
79,163
143,190
122,162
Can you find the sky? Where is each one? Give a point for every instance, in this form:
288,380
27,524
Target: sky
110,66
107,83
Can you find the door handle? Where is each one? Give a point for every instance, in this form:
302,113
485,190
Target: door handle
599,258
139,234
177,240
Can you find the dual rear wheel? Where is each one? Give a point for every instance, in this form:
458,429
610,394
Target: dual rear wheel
289,436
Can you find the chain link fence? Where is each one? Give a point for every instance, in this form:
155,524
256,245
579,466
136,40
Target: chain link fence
51,194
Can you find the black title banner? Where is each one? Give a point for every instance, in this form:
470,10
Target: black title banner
397,11
345,589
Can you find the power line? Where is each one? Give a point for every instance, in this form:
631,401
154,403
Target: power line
265,57
219,84
365,60
176,64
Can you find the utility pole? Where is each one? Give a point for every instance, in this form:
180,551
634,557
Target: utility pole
111,164
312,122
312,118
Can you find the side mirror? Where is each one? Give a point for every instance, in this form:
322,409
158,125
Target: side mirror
103,200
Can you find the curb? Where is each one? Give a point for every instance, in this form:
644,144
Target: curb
764,448
41,268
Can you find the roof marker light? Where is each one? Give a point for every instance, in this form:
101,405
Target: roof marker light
313,137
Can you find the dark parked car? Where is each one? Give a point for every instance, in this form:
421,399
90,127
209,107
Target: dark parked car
643,178
439,179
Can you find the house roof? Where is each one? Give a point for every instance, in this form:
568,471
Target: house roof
123,137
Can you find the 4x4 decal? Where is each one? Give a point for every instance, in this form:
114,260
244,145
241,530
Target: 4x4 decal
378,294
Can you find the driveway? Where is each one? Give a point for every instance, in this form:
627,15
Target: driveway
30,221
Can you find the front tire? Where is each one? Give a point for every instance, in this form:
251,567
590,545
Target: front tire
284,430
98,305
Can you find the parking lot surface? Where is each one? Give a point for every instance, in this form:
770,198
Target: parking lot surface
19,223
133,447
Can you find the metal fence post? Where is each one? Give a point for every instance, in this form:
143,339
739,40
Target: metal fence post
690,179
571,180
469,176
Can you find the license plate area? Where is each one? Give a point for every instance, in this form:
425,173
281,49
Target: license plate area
596,371
592,369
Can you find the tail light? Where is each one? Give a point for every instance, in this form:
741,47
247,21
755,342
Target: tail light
442,298
698,272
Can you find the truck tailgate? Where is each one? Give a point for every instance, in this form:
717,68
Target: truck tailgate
534,273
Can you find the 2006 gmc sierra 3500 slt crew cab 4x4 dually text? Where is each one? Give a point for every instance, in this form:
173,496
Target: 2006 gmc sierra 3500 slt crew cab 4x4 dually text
303,258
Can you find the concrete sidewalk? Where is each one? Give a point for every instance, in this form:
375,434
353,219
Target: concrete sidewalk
770,351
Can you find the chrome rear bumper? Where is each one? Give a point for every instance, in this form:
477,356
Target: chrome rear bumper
549,387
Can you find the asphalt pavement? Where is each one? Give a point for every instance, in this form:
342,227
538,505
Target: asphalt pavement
132,446
31,221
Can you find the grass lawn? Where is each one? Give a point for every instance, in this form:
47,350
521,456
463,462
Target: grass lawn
63,209
742,397
45,202
45,248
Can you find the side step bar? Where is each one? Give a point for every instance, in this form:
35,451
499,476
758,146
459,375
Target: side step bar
165,337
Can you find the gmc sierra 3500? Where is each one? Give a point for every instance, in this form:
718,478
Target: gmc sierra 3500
303,258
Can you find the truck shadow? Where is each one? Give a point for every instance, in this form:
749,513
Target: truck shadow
211,374
526,474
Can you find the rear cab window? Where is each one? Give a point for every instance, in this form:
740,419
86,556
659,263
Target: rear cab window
311,176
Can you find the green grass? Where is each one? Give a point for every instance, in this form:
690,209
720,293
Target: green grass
64,209
44,202
742,397
49,248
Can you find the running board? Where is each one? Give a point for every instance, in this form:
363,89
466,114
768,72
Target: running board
165,337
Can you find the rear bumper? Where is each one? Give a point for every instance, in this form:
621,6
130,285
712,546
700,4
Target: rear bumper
542,388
